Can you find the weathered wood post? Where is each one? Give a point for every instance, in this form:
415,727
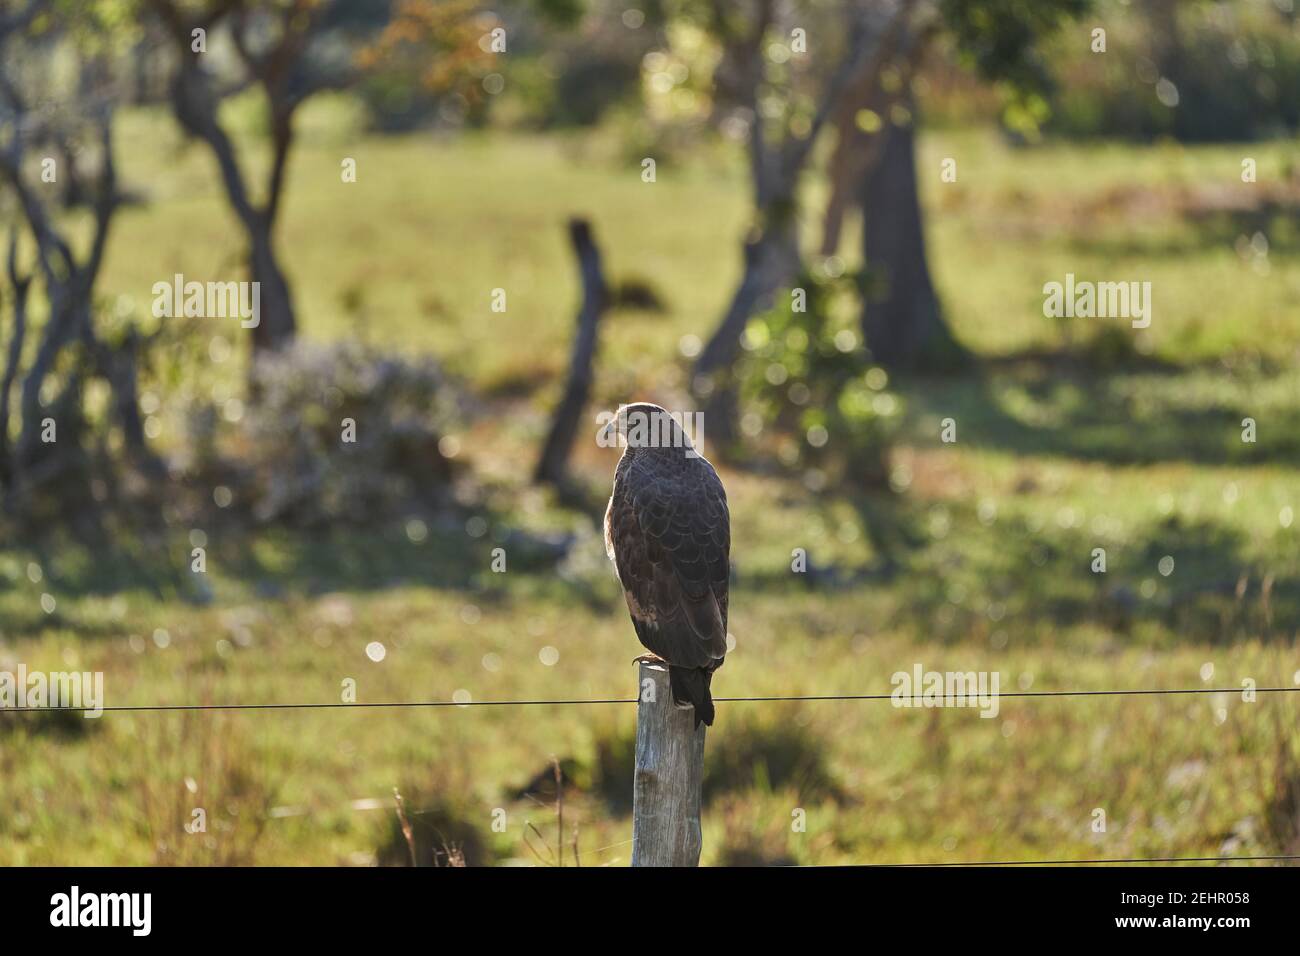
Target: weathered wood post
669,775
553,464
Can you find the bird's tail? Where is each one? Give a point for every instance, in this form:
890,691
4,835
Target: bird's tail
691,686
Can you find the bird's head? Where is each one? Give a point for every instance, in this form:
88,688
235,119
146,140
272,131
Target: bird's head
643,425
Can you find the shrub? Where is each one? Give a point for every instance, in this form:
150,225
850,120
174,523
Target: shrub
336,432
768,755
809,385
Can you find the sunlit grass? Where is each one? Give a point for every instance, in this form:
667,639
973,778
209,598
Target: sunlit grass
1049,464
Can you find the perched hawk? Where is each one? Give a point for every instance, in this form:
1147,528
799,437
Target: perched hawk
668,533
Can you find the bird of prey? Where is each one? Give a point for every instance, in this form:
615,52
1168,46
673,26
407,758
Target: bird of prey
668,532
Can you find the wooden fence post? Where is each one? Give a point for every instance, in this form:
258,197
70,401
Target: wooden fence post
669,774
553,464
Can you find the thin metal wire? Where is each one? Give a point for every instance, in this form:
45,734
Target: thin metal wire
141,708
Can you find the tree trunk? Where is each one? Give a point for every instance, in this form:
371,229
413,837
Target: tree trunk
770,260
276,325
120,366
552,466
196,109
60,329
854,157
765,267
20,285
901,318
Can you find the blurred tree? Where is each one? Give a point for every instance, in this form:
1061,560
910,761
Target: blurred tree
288,49
902,319
784,100
53,447
873,166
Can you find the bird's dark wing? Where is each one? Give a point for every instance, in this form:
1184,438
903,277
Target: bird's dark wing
671,538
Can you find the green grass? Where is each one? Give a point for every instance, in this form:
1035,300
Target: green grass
992,536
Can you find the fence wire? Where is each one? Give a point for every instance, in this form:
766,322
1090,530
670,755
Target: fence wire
382,704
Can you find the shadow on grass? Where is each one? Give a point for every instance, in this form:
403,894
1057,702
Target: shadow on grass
1022,582
1056,404
1023,579
439,829
450,553
745,754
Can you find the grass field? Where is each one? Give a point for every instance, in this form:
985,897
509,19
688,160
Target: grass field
1059,451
